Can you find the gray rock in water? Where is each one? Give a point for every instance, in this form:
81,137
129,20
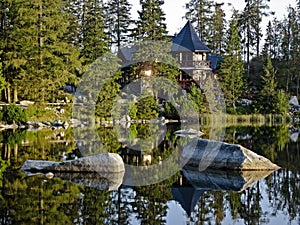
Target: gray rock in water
201,154
101,163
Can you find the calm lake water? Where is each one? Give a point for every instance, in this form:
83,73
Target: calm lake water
180,199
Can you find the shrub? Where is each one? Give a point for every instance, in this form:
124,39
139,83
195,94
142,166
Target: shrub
14,114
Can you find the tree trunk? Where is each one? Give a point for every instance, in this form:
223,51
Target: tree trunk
15,95
8,97
16,148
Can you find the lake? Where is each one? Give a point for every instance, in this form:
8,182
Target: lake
183,198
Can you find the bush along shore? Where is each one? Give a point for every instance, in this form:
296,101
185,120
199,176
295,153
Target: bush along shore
35,117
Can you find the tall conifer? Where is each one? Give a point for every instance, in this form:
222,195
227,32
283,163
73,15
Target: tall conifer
199,12
119,21
151,23
37,58
232,69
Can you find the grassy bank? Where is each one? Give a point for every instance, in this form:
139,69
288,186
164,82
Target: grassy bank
52,112
243,120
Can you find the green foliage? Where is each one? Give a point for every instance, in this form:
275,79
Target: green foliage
43,112
118,21
132,110
3,165
106,98
170,111
3,83
94,41
151,23
37,60
14,137
199,12
197,97
281,103
100,84
217,30
13,114
147,108
232,69
268,100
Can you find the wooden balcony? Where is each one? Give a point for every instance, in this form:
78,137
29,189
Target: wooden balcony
194,64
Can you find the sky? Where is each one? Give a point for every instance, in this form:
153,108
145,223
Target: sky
175,10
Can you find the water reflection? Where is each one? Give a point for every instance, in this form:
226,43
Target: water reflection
38,200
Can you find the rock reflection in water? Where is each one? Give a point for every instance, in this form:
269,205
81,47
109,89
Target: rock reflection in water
197,183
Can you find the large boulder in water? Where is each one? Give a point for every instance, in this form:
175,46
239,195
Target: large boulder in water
201,154
101,163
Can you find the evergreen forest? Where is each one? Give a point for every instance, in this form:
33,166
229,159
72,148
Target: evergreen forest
46,45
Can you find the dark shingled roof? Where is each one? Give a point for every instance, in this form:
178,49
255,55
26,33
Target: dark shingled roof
187,39
215,60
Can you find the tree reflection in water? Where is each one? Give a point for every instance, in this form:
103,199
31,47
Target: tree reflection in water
37,200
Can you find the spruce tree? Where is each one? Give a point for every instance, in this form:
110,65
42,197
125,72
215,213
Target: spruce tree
3,83
10,50
37,58
266,99
268,48
94,40
232,69
199,12
217,31
153,50
73,8
251,19
119,21
151,23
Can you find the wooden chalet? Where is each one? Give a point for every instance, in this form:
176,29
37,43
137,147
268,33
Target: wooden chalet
194,57
196,62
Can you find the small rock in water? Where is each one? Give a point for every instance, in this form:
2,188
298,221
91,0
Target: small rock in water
49,175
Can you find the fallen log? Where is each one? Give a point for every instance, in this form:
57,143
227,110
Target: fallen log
201,154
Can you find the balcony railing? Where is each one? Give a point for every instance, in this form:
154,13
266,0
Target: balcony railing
194,64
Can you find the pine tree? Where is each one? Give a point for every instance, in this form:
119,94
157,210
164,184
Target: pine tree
266,99
119,21
269,40
156,46
153,51
200,14
217,31
250,22
3,83
232,69
151,23
37,59
10,51
94,40
73,9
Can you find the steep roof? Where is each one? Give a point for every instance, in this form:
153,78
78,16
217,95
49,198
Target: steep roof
188,39
188,197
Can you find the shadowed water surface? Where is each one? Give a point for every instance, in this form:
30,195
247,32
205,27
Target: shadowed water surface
188,197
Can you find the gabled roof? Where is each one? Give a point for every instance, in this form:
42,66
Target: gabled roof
187,39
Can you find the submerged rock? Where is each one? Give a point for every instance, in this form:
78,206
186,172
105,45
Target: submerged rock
188,132
201,154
